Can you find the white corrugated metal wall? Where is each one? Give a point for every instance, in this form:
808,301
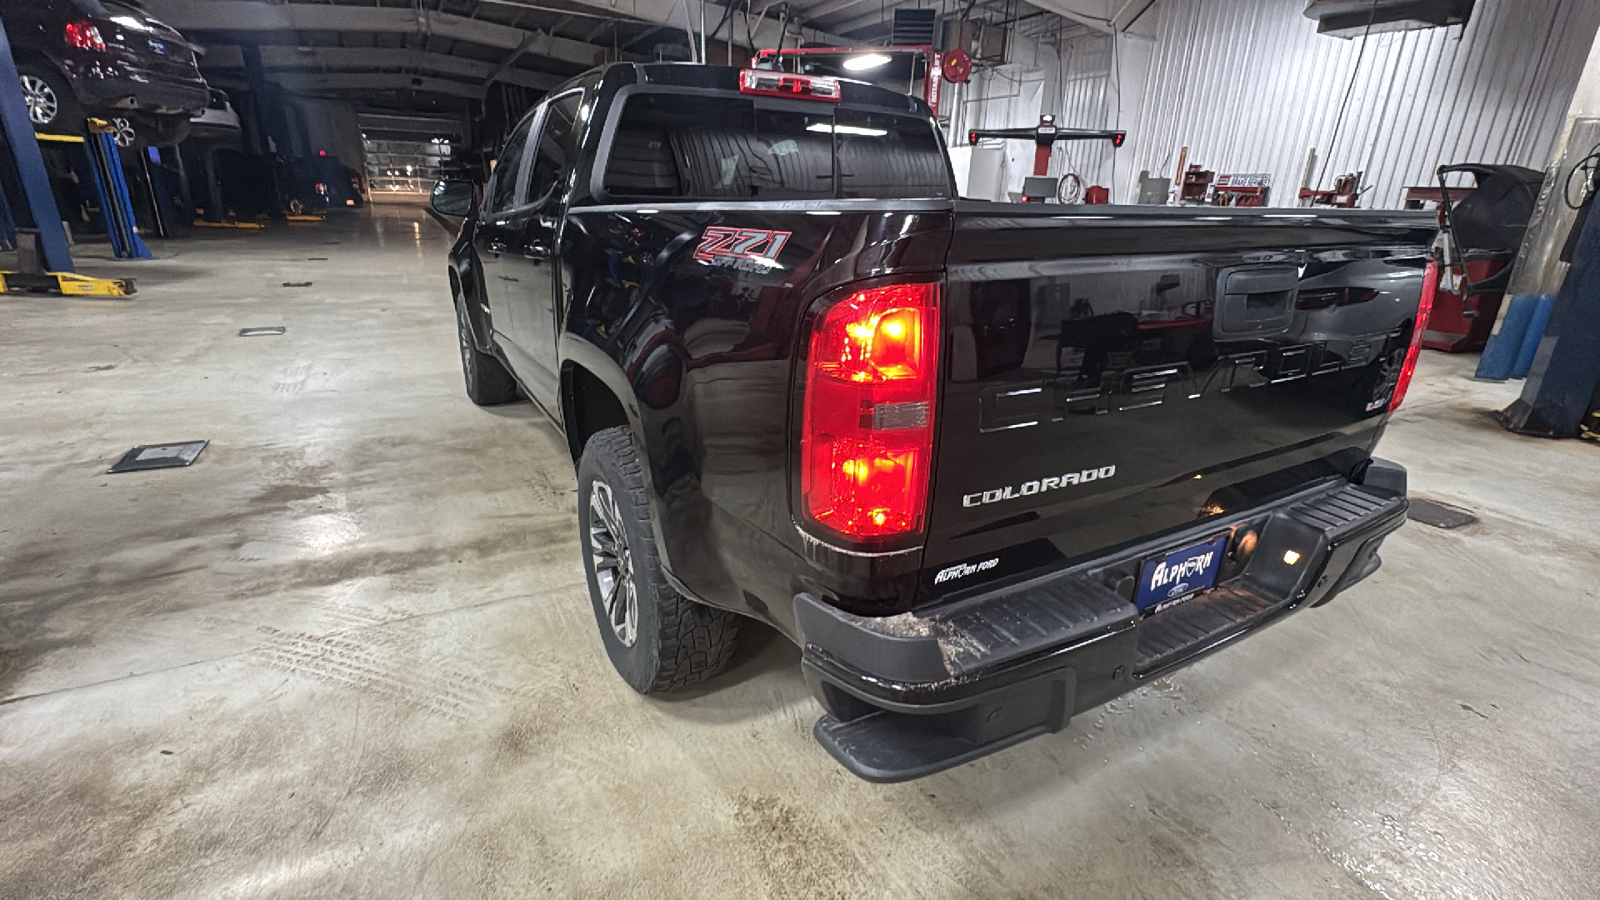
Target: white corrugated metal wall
1249,86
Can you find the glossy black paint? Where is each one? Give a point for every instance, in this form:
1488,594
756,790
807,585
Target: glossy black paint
584,295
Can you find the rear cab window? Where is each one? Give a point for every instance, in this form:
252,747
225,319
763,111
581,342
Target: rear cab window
703,147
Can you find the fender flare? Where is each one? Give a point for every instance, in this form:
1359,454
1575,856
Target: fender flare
575,351
478,321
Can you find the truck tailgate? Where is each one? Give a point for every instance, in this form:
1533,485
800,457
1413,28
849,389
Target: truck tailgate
1119,374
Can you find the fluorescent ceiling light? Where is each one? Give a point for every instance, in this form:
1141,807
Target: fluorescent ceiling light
857,130
865,61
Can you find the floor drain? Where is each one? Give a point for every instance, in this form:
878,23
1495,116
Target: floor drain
159,456
261,331
297,284
1439,515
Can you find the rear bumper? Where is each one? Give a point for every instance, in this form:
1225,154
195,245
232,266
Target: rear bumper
105,87
910,695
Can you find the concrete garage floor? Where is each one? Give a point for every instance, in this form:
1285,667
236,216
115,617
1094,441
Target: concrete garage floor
349,652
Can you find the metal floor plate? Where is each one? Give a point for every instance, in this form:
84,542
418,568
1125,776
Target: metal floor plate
159,456
1439,515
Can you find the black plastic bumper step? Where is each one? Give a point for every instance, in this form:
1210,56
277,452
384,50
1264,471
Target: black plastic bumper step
886,747
1185,630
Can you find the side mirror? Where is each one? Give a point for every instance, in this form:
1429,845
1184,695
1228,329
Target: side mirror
452,198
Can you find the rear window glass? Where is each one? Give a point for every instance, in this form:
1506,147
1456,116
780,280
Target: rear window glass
733,148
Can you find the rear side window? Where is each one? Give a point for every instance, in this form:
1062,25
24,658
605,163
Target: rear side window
732,148
557,148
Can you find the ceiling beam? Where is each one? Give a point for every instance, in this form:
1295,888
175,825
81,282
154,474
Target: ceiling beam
1094,13
348,82
400,122
671,14
833,7
251,16
277,57
508,61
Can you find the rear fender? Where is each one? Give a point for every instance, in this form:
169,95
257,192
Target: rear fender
574,353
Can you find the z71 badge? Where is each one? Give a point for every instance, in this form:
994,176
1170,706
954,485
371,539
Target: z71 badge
749,249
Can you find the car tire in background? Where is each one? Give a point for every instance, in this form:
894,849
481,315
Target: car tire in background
656,638
52,108
489,383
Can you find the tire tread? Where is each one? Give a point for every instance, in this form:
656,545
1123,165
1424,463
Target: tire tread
695,641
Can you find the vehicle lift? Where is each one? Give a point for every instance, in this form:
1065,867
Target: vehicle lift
1045,135
44,249
1561,397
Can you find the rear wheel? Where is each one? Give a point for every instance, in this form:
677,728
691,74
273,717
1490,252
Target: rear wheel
656,638
489,383
122,132
51,106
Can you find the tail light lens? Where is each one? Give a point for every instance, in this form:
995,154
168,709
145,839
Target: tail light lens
1430,286
867,436
84,35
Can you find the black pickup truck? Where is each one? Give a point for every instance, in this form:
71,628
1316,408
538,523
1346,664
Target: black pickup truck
988,464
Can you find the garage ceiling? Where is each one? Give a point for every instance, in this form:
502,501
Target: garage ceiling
431,55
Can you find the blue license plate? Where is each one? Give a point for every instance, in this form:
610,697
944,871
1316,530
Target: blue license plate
1180,574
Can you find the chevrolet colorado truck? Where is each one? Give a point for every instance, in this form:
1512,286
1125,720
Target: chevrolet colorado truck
989,465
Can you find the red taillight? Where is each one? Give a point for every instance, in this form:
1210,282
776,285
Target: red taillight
84,35
795,87
867,439
1430,285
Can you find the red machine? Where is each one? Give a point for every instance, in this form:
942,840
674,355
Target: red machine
1483,233
1241,190
921,69
1462,318
1044,137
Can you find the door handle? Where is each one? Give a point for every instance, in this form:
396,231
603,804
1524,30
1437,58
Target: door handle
497,246
537,252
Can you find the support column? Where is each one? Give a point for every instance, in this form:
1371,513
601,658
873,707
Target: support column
31,173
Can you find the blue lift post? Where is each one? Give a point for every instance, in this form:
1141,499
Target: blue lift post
31,173
112,186
1561,387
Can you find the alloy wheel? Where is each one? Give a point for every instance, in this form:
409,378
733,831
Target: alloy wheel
466,338
613,563
122,132
43,105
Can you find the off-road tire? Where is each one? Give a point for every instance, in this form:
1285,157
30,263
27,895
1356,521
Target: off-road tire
489,383
678,642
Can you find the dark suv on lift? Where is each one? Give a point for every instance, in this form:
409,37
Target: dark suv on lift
80,58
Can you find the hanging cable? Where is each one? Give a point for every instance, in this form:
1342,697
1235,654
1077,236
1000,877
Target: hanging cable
1338,122
1586,167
